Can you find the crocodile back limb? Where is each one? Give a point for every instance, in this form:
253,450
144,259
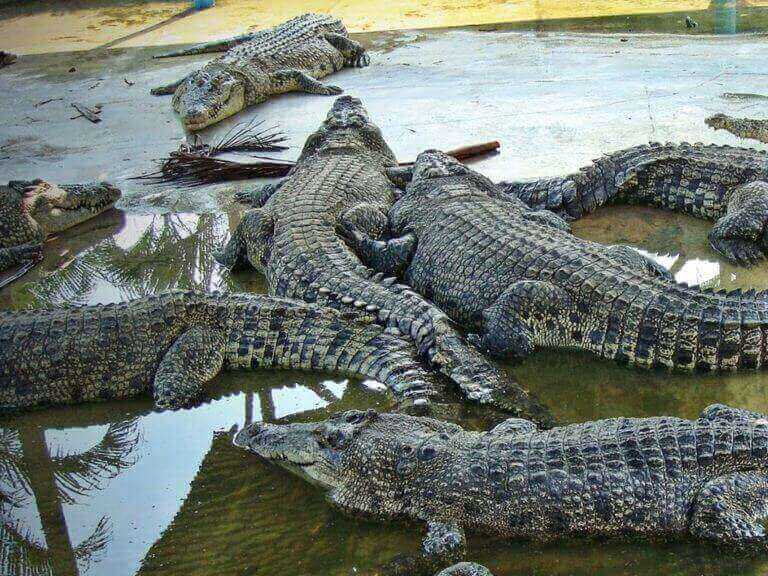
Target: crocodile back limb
694,179
100,352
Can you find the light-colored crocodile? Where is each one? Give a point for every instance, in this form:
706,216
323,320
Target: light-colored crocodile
289,57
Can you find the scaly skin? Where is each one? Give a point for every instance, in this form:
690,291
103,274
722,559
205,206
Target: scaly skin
523,281
293,239
175,343
31,211
658,477
750,128
289,57
722,183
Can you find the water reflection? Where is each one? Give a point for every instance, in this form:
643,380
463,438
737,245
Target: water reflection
142,255
55,489
35,480
677,242
726,16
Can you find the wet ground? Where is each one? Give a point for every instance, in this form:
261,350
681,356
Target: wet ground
118,489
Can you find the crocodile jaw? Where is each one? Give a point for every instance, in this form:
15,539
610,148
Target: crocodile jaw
56,208
292,446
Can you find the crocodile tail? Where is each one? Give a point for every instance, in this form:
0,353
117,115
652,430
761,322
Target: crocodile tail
397,305
686,329
690,178
308,337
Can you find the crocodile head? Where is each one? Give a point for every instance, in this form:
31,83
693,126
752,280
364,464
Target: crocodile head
56,208
348,127
718,121
437,177
359,455
208,96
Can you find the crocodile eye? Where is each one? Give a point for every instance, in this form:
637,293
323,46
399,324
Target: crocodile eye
407,450
336,438
427,453
355,418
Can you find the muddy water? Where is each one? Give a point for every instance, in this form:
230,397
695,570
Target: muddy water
119,489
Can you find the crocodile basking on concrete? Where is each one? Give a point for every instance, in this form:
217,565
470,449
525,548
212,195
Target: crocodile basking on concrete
662,477
293,239
749,128
289,57
31,211
520,279
722,183
173,344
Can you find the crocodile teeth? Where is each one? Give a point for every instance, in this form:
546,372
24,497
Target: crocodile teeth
347,299
378,276
323,290
297,273
358,304
389,281
371,308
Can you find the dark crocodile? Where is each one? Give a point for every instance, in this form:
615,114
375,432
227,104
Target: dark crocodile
749,128
31,211
720,183
173,344
288,57
660,477
522,280
293,239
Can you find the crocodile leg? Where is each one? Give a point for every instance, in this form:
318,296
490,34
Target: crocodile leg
208,47
193,360
249,240
525,312
390,257
629,257
514,426
369,219
733,509
728,414
167,89
353,52
742,234
444,544
292,79
465,569
258,195
16,255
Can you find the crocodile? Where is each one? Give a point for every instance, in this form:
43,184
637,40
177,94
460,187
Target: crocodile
658,477
256,66
32,210
721,183
749,128
174,343
293,239
519,278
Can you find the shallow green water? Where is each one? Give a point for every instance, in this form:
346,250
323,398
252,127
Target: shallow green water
117,488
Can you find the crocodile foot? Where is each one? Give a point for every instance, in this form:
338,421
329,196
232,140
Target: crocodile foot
742,234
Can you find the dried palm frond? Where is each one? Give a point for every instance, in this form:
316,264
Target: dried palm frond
246,137
195,164
198,170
